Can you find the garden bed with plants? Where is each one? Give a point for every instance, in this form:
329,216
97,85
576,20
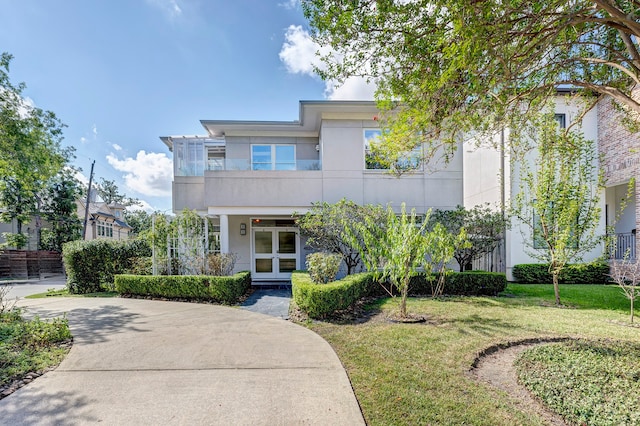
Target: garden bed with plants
28,347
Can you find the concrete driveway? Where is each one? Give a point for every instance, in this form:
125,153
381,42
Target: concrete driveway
153,362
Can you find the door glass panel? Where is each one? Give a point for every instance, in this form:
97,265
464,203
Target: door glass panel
264,265
263,242
286,242
287,265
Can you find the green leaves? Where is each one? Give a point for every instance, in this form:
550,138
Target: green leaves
30,142
447,67
558,198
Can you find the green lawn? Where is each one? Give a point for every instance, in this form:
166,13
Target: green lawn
418,373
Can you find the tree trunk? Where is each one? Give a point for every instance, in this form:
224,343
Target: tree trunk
632,298
556,289
403,299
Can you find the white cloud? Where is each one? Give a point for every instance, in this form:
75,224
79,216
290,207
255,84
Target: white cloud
83,140
142,206
147,174
94,130
170,7
298,51
289,4
116,147
353,88
82,178
299,54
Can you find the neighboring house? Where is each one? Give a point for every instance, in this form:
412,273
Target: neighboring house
488,177
104,221
250,177
28,228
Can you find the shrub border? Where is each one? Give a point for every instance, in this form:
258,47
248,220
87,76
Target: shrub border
227,290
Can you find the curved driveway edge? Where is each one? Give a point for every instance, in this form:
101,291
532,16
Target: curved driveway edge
153,362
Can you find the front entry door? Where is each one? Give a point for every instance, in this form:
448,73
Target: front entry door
275,253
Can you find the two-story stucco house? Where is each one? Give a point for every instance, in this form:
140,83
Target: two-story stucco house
251,176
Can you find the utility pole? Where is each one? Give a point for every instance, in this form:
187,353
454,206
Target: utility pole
86,207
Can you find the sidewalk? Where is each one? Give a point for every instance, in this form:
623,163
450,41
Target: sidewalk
21,288
153,362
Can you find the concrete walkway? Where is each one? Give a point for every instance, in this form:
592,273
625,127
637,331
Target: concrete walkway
21,288
152,362
273,302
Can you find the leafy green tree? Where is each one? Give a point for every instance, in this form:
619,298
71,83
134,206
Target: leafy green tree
450,66
18,203
441,245
558,198
110,194
392,252
30,142
325,224
484,229
60,210
139,220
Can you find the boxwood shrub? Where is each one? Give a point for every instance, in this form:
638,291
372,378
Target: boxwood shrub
468,283
320,300
226,289
579,273
91,265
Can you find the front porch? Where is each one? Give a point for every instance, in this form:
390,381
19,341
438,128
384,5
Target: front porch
265,241
620,216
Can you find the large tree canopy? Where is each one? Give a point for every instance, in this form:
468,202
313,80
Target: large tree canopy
460,65
30,147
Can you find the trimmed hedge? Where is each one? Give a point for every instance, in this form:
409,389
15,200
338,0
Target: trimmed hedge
469,283
579,273
91,265
320,300
194,287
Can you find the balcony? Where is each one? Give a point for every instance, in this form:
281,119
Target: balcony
222,164
622,246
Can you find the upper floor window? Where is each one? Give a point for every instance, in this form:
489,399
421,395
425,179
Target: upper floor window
188,157
373,162
105,229
562,120
273,157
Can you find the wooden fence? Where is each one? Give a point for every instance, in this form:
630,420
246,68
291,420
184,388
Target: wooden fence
29,264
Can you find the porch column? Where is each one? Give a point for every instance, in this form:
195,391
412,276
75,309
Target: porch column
224,233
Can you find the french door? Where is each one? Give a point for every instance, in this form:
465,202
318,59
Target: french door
275,253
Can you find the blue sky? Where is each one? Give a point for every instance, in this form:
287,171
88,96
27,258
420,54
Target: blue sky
121,73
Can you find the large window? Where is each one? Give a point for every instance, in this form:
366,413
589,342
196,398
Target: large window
539,231
373,162
273,157
105,229
188,157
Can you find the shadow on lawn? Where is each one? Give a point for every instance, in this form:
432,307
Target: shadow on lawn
482,325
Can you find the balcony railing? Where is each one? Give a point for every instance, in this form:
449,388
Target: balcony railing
245,164
622,246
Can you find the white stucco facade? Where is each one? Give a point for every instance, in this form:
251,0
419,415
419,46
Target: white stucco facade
233,174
